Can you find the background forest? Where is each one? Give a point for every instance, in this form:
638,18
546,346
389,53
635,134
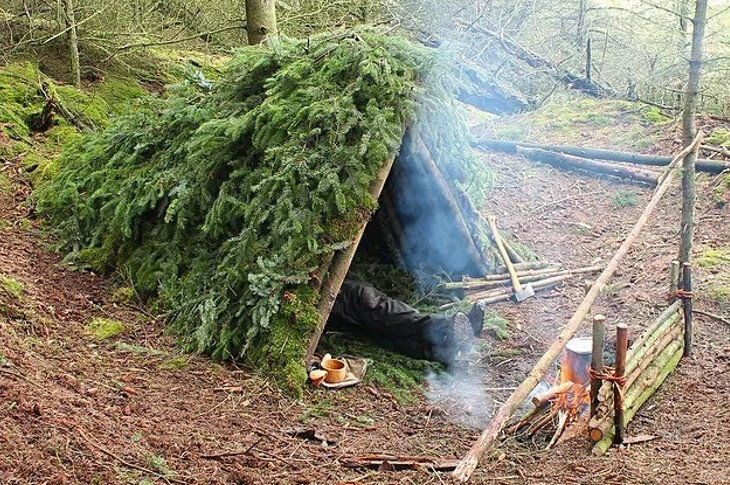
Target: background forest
634,49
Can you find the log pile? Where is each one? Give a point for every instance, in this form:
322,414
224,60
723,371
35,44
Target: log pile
650,359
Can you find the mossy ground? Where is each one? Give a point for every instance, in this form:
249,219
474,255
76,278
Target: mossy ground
104,328
583,121
717,262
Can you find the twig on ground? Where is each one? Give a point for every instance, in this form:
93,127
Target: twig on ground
713,316
19,376
125,463
223,454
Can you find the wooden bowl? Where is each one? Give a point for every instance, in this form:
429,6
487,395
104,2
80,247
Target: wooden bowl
317,376
336,371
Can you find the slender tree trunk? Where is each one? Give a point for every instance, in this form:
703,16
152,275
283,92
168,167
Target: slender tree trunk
73,42
689,130
581,30
260,20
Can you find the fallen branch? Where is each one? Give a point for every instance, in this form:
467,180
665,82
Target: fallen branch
703,164
495,296
393,463
224,454
721,150
125,463
490,434
561,160
719,318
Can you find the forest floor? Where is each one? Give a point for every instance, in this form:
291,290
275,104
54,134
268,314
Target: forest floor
77,406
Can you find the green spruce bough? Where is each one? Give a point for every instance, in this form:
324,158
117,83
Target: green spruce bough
227,201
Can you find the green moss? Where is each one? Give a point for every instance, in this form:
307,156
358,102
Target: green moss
654,115
5,185
713,258
105,328
14,287
123,295
505,131
718,137
176,363
721,191
623,199
720,293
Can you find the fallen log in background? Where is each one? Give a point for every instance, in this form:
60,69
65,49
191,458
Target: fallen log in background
485,441
571,162
703,164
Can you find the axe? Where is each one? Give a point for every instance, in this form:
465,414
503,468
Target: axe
521,293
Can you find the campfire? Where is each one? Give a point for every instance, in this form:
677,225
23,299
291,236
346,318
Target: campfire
566,401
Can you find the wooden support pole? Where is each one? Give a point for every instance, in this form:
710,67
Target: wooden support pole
674,279
599,340
622,344
687,304
490,434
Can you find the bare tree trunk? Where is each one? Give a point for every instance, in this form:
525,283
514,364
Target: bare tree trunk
689,130
581,30
260,20
73,42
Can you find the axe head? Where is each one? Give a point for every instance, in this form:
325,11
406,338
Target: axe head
526,292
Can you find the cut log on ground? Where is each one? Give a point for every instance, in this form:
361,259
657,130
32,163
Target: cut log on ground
524,266
703,164
495,296
570,162
486,440
472,284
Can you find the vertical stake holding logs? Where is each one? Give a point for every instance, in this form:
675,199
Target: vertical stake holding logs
687,306
622,345
674,279
599,340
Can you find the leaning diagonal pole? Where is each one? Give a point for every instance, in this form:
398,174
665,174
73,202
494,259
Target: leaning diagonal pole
469,463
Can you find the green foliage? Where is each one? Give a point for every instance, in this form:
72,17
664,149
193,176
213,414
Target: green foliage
104,328
495,323
625,198
229,201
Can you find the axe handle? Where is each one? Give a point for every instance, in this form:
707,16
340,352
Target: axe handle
503,252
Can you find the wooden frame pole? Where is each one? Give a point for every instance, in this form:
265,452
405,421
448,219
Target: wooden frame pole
622,345
599,340
687,305
674,279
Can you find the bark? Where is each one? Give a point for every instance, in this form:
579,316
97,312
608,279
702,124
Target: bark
73,42
622,343
571,162
495,296
599,340
543,398
486,440
260,20
687,306
524,266
689,131
704,165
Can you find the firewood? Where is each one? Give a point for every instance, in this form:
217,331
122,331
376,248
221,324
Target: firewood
599,340
666,368
524,266
601,426
472,284
495,296
658,322
544,397
488,436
